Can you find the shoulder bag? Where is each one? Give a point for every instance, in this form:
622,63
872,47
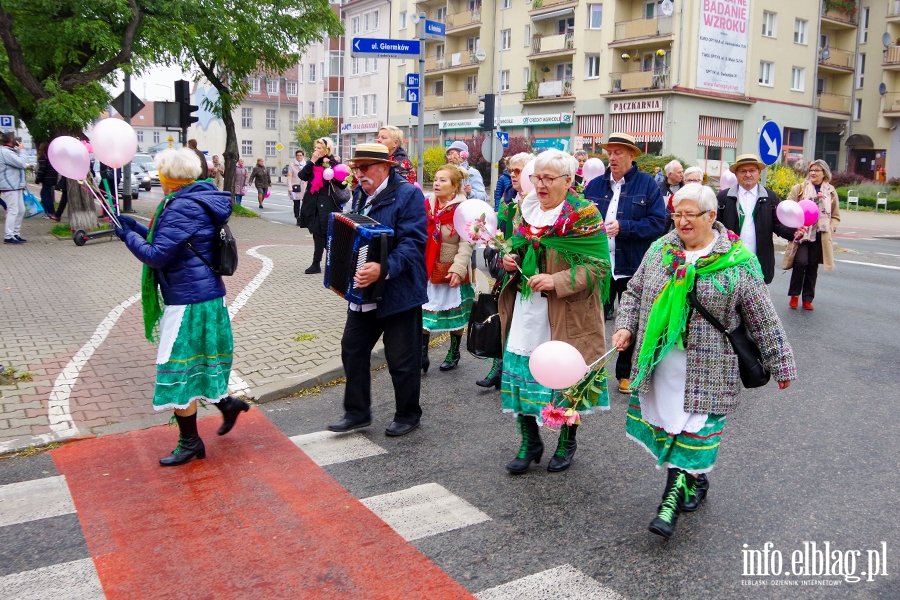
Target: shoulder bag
483,336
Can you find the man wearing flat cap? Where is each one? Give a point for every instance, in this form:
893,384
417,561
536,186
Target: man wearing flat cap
748,209
391,200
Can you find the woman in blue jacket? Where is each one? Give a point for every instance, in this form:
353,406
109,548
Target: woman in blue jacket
193,328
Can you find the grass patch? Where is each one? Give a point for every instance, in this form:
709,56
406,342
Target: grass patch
64,230
304,337
32,451
8,376
239,211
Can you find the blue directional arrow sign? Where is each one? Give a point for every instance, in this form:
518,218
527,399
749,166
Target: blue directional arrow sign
503,136
770,143
414,109
435,30
379,48
412,95
412,80
7,122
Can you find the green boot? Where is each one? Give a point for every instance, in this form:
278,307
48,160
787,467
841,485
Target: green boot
452,358
532,447
565,449
678,487
492,379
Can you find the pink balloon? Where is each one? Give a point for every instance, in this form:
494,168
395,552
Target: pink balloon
466,219
593,167
210,166
416,183
525,178
790,213
69,157
341,171
557,365
114,142
810,212
328,174
727,180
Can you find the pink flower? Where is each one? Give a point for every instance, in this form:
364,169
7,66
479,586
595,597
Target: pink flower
572,417
553,416
464,154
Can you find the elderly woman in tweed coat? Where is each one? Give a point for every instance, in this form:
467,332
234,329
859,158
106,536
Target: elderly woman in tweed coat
686,377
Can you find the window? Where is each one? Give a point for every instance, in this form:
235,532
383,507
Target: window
293,148
365,65
801,28
354,66
290,88
860,69
403,19
335,104
155,137
312,108
321,107
270,149
247,118
766,73
526,76
312,73
717,138
792,146
473,43
565,25
270,118
254,85
354,106
272,86
366,21
246,147
592,66
595,16
401,91
374,107
375,20
857,109
820,86
504,81
438,88
354,25
528,36
365,106
300,73
864,25
506,4
336,64
770,24
293,119
650,10
440,15
140,136
798,79
472,84
506,39
322,74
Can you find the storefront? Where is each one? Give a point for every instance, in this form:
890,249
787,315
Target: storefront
644,119
356,132
590,134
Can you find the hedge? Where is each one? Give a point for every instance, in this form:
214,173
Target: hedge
892,203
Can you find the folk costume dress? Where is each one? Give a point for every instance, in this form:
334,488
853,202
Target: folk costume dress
447,308
572,237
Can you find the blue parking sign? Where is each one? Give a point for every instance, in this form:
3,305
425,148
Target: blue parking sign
7,122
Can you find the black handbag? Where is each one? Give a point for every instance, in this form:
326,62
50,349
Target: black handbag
483,338
753,372
341,195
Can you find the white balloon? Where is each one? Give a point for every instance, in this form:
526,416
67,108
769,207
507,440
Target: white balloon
727,180
114,142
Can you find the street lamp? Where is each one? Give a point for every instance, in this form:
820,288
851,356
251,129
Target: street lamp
281,82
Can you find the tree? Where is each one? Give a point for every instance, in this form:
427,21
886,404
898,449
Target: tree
309,129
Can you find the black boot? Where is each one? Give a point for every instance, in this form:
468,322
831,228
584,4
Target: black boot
231,407
452,358
697,493
565,449
426,339
532,447
189,443
313,269
678,485
492,379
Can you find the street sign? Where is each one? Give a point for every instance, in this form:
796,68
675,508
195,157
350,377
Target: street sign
412,95
492,149
770,143
503,136
414,109
279,146
7,122
119,104
435,30
412,80
380,48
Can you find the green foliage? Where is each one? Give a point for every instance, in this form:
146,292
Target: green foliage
239,211
781,178
867,196
65,231
304,337
648,162
434,160
309,129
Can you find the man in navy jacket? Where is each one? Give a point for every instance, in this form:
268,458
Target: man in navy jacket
394,202
635,215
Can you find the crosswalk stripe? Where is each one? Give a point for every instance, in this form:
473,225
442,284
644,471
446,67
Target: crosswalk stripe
76,580
563,582
328,448
424,510
35,499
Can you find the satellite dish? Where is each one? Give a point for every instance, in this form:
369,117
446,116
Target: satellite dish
825,54
882,89
414,18
667,7
480,55
886,39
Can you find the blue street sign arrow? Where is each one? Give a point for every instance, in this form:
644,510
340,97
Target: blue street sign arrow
503,136
412,80
7,122
415,109
770,143
379,48
435,30
412,95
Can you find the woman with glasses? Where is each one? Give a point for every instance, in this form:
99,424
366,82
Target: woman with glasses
581,156
319,199
685,378
693,175
812,245
558,277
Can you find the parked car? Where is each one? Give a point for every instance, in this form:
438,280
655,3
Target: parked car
135,180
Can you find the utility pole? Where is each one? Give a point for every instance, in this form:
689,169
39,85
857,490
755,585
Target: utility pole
420,146
126,168
279,128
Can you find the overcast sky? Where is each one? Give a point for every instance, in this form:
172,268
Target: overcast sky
156,84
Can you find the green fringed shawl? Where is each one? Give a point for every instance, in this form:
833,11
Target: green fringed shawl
151,303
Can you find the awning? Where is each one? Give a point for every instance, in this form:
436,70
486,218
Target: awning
858,140
554,14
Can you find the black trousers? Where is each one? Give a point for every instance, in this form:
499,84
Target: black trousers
297,204
319,241
403,351
806,269
623,360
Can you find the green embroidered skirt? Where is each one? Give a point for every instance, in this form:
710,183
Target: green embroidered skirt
195,354
691,452
447,308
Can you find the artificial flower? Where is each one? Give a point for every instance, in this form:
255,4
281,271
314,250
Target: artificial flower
553,416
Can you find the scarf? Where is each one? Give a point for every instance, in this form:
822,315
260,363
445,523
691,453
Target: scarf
823,199
669,313
578,236
437,218
318,182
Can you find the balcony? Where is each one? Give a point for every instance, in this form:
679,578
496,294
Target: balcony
452,100
833,103
890,104
891,58
458,61
465,20
540,5
656,78
545,44
839,17
627,32
838,61
552,90
893,10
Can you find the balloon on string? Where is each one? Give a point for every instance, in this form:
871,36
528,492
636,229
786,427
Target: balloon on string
810,212
466,215
417,184
114,142
328,174
790,214
69,157
727,180
593,167
525,178
557,365
341,171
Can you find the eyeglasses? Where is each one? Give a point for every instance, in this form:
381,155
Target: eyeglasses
362,168
515,171
689,216
693,181
816,171
544,180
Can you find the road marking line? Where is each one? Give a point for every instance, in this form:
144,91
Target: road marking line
424,510
35,499
854,262
329,448
886,254
561,582
76,580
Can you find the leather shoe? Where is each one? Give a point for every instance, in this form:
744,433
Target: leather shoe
795,300
313,270
624,387
807,306
346,424
396,429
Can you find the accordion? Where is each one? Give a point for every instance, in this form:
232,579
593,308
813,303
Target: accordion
354,240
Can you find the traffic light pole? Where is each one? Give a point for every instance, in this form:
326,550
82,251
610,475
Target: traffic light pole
126,168
420,146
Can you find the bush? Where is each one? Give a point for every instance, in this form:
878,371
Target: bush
648,162
434,160
781,178
845,178
868,200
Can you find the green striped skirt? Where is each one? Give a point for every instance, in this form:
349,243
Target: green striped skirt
447,308
691,452
195,354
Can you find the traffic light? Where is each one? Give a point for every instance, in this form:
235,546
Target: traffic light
185,108
487,109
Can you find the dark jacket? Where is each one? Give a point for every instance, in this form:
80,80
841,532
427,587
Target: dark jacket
45,174
504,182
204,170
403,210
642,215
668,190
317,206
192,216
260,177
405,168
765,219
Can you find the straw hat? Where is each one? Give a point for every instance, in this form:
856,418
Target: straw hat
372,153
746,159
622,139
